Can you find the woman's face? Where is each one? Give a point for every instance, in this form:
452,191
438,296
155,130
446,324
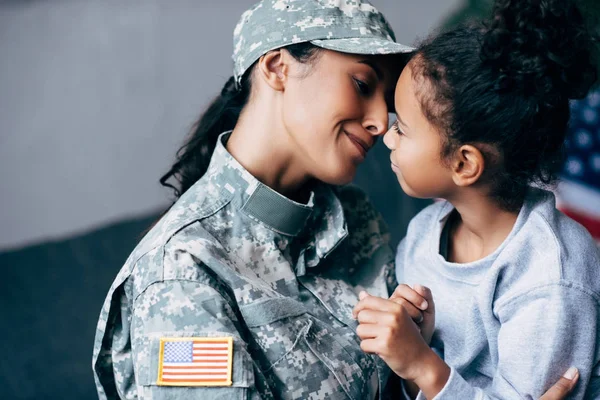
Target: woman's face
416,145
335,112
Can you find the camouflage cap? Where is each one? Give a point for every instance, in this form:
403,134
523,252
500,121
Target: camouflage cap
348,26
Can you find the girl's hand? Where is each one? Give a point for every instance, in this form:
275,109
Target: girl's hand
418,302
387,329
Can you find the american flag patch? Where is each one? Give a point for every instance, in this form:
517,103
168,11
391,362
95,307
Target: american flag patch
195,361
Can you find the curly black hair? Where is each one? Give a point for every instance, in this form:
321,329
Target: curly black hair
505,84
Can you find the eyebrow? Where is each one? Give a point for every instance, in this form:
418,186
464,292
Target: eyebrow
377,70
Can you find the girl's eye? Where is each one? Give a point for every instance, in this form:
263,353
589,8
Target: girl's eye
396,128
362,87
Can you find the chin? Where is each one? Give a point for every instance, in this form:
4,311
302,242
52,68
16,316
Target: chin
339,177
407,189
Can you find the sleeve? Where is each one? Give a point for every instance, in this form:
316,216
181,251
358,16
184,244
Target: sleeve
542,334
171,321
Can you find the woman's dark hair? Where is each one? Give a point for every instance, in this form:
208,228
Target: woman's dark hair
504,86
221,115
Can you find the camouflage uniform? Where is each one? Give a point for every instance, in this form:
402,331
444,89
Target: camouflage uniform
235,259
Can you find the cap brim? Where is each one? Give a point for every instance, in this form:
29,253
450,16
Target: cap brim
365,45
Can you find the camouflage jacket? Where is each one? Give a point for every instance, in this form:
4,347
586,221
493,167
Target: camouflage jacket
234,259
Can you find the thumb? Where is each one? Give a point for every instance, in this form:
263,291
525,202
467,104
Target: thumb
563,386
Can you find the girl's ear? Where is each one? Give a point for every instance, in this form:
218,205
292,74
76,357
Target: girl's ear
467,166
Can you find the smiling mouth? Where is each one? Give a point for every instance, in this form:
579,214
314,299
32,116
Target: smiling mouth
360,144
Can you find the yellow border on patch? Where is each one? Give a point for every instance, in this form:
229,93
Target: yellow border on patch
229,341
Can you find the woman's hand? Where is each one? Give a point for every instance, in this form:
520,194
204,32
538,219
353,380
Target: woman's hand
563,387
418,302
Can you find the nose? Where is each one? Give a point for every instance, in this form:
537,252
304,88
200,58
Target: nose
376,118
388,140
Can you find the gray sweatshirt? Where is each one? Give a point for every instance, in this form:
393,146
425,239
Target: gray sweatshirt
509,325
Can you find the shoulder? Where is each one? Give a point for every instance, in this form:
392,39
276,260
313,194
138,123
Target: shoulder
550,249
558,239
191,254
202,200
179,242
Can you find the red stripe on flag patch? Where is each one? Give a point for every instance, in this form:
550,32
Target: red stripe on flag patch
194,361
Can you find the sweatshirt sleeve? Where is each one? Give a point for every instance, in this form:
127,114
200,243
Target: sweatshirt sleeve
543,332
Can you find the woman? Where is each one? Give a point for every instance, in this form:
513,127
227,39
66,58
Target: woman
245,287
261,253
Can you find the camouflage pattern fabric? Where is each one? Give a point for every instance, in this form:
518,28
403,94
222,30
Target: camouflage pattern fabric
348,26
234,258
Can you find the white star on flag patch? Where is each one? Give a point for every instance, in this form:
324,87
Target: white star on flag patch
194,361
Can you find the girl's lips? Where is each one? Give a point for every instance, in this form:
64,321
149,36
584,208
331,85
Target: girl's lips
395,167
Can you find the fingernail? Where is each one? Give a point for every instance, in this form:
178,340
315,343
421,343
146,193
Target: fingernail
424,305
362,295
571,373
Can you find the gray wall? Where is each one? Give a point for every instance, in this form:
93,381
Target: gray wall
95,97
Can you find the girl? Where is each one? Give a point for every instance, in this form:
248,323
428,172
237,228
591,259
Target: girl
481,116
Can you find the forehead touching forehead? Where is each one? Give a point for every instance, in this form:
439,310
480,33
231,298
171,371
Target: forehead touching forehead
415,84
395,64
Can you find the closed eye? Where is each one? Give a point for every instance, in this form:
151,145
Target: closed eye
362,87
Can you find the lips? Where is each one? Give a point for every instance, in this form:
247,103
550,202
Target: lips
361,144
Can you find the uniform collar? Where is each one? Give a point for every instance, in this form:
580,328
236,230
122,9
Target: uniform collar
323,215
254,198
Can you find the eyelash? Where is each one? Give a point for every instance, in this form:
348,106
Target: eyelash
396,128
362,87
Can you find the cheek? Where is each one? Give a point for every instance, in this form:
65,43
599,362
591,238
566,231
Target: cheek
307,111
415,162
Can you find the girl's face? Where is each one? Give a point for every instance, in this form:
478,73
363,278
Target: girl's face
416,145
335,112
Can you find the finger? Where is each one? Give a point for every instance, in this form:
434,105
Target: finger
368,331
563,386
375,317
427,295
413,311
374,303
370,346
411,295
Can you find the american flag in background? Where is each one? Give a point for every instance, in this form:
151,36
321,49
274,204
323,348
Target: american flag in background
578,193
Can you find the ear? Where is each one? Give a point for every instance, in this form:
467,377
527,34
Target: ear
467,166
273,68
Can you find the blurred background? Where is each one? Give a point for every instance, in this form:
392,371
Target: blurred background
95,99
